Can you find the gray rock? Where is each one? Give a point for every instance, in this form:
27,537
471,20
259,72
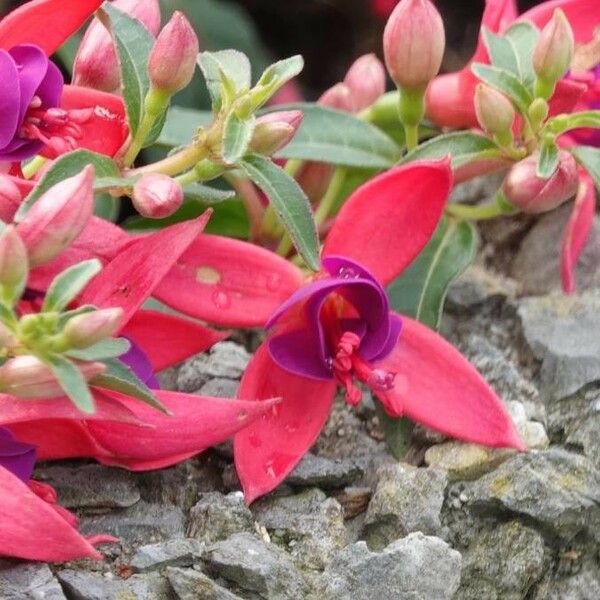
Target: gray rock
324,473
91,486
225,360
478,188
79,585
143,523
559,490
189,584
416,567
28,581
172,553
309,525
255,566
536,264
215,517
563,331
220,387
583,585
502,564
405,500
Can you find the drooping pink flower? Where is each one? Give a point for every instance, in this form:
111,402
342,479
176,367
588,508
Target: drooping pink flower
338,329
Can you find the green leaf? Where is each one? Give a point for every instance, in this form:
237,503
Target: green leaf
67,286
119,377
589,158
524,37
107,183
102,350
156,129
397,432
106,207
463,146
66,166
69,314
548,160
181,125
275,77
71,381
421,290
290,203
133,43
225,66
338,138
205,194
502,52
237,134
505,82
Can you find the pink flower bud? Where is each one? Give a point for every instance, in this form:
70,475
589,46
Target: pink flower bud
10,198
555,48
28,377
157,196
58,217
87,329
13,263
366,81
338,97
172,61
531,194
275,130
413,44
96,63
494,110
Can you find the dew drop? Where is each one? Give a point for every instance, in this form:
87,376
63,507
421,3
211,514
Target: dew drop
329,363
242,415
348,273
208,275
273,282
221,299
381,380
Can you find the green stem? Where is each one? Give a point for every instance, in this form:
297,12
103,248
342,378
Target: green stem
412,111
477,213
411,134
33,166
176,163
328,201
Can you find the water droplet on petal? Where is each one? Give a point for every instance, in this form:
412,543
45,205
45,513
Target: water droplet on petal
208,275
242,415
348,273
381,380
221,299
329,363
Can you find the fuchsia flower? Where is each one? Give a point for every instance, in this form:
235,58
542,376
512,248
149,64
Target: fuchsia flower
338,329
39,113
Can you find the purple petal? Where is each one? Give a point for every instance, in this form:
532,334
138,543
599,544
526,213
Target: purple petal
137,360
10,98
295,353
16,457
395,330
50,90
32,65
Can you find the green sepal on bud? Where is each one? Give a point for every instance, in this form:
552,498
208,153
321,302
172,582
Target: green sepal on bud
14,266
495,113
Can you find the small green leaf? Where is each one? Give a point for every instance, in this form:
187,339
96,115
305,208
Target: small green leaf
133,43
290,203
397,432
107,183
156,129
106,207
207,195
505,82
102,350
421,290
68,165
121,378
548,160
71,381
274,77
237,134
589,158
69,314
503,53
67,286
524,37
229,65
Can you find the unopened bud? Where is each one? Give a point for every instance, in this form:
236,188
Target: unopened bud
553,53
10,198
13,265
89,328
413,44
58,217
172,60
96,64
274,131
157,196
366,81
494,110
532,194
338,97
28,377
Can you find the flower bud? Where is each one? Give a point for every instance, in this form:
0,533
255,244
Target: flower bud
555,48
89,328
366,81
58,217
338,97
413,44
10,198
532,194
96,64
274,131
13,265
28,377
494,110
172,60
157,196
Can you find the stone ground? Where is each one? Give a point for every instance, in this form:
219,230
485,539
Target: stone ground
460,522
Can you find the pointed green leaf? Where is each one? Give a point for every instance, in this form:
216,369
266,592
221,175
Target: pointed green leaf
589,158
69,314
505,82
275,77
503,53
421,290
548,160
237,134
524,37
67,286
206,194
71,381
102,350
290,203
